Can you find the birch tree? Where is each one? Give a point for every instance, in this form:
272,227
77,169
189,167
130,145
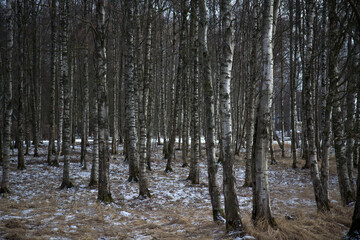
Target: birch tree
64,23
251,97
350,113
35,86
9,16
335,44
143,113
354,231
95,146
180,74
21,21
104,194
85,94
115,75
218,212
51,149
293,84
261,196
194,165
130,97
232,211
321,197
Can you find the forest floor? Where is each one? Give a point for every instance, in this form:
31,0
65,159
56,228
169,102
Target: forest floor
38,209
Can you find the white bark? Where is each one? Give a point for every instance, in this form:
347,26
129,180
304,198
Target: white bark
261,193
232,211
104,194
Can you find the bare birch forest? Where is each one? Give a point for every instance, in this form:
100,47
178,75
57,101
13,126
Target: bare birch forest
166,119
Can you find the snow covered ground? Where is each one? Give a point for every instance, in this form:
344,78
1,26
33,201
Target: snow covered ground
37,208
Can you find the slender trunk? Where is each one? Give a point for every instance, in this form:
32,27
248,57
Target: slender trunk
95,148
85,109
282,117
293,87
185,128
115,120
232,211
335,41
85,94
21,115
321,198
350,119
261,195
21,161
143,178
163,114
354,232
251,99
104,194
35,83
8,98
194,174
326,122
214,191
60,110
271,136
27,120
150,125
51,149
64,10
131,149
73,113
181,71
171,95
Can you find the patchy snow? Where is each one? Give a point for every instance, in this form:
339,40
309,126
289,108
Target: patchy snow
177,209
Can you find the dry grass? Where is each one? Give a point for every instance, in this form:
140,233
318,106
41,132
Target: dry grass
305,226
37,209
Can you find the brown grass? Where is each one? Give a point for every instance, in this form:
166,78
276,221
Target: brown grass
47,213
305,226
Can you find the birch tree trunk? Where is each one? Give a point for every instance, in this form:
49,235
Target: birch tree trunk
35,100
179,75
130,95
350,119
261,195
115,120
326,107
335,41
321,198
64,22
185,106
60,108
95,146
250,123
232,211
293,86
194,174
52,131
21,21
8,97
218,212
354,232
163,113
85,109
104,194
144,96
85,94
28,119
